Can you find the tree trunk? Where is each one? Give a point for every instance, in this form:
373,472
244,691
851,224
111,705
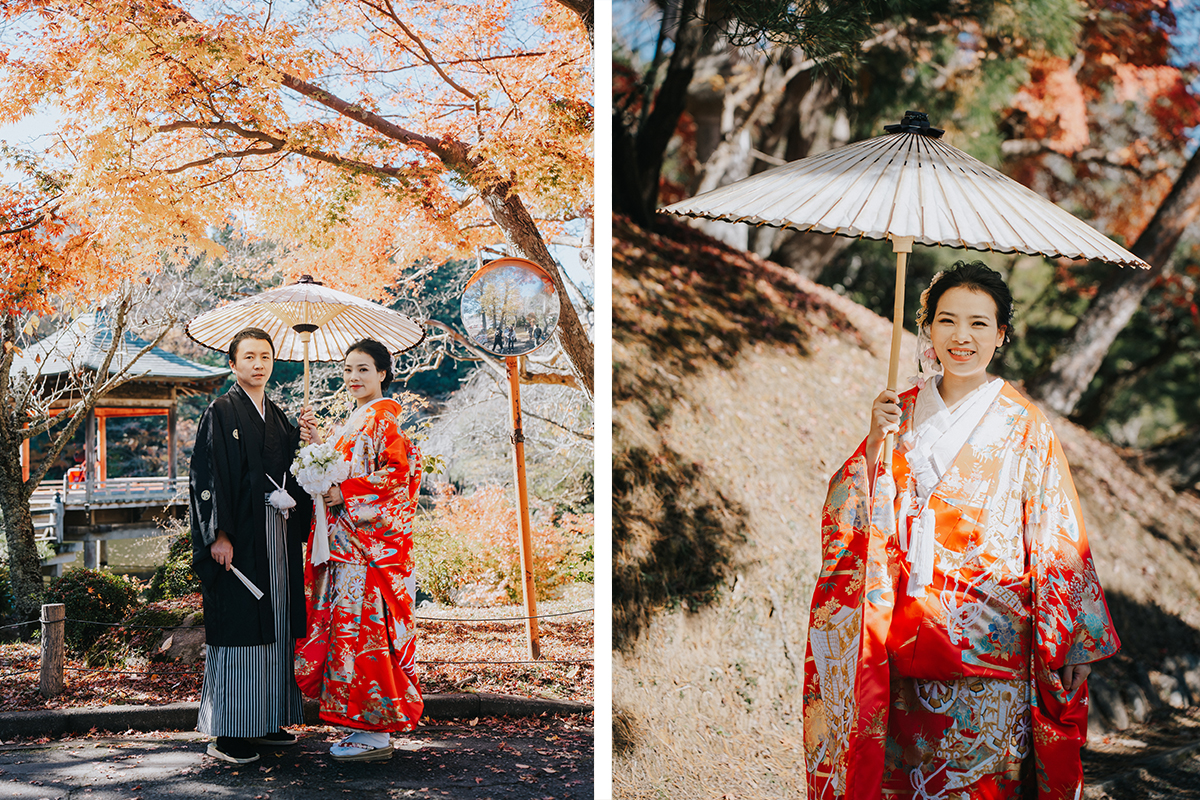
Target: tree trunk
626,178
24,566
1119,297
1114,382
655,133
521,233
586,10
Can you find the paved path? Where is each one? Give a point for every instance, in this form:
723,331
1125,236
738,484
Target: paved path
544,758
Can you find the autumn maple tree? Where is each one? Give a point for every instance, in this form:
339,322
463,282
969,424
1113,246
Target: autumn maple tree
1106,134
369,137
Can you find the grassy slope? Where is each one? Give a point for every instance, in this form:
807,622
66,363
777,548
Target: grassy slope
738,389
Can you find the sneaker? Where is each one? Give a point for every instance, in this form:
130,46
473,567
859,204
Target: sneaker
349,750
279,738
233,750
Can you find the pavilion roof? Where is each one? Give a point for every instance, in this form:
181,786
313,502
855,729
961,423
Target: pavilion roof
85,342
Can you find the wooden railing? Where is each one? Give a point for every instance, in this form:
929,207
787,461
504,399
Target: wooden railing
112,492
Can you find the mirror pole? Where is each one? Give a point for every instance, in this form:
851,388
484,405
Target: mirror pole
525,538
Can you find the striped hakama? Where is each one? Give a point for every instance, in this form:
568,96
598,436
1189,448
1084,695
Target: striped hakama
251,691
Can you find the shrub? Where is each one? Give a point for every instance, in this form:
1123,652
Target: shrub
7,604
473,539
91,596
175,578
134,646
580,531
442,562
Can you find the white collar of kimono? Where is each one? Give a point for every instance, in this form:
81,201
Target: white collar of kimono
940,431
938,434
355,420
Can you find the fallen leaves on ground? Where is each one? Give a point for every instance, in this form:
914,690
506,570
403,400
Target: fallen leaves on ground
562,639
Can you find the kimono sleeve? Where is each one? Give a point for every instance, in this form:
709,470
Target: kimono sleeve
846,667
394,464
1073,625
212,498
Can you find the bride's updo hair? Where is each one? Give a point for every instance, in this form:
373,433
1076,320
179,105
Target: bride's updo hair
973,275
379,354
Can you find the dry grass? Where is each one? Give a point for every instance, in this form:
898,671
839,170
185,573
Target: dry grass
716,692
707,685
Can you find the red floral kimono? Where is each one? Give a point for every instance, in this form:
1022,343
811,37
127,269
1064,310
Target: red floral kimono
955,694
360,655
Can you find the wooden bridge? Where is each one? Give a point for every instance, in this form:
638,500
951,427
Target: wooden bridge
77,517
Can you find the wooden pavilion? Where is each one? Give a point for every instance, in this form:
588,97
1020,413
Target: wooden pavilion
87,508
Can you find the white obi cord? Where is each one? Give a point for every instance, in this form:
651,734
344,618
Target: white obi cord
937,435
280,499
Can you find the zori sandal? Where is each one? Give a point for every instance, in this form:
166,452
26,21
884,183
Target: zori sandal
349,750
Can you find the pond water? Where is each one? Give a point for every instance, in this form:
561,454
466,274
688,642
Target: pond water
136,557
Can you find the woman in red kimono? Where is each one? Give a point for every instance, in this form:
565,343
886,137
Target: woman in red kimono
359,658
957,608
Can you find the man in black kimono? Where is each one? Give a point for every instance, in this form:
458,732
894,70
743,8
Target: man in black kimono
244,447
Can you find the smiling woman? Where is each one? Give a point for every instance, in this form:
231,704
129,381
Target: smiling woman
969,541
362,666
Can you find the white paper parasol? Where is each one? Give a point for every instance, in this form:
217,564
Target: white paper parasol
907,183
308,322
907,186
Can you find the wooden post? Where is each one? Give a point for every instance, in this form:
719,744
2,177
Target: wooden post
172,442
101,449
89,456
59,512
525,539
53,616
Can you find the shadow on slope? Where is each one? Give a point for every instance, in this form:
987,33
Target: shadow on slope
1148,633
682,301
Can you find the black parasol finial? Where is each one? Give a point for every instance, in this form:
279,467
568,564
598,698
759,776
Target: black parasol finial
915,122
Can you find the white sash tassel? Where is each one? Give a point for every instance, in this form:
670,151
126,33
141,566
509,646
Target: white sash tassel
937,435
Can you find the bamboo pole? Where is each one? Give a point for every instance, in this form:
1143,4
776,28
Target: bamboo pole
304,337
901,246
53,622
525,539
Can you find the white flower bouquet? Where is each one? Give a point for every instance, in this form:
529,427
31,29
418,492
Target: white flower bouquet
318,467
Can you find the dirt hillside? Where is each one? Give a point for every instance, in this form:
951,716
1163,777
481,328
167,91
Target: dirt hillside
739,388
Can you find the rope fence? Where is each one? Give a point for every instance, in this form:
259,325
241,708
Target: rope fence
53,661
505,619
539,661
15,674
20,624
428,619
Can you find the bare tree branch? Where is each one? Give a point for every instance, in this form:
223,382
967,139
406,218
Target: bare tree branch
1093,155
581,434
387,9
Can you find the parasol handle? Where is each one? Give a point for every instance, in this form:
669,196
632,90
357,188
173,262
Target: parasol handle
304,337
901,246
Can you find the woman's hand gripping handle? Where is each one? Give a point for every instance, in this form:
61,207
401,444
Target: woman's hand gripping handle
885,419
